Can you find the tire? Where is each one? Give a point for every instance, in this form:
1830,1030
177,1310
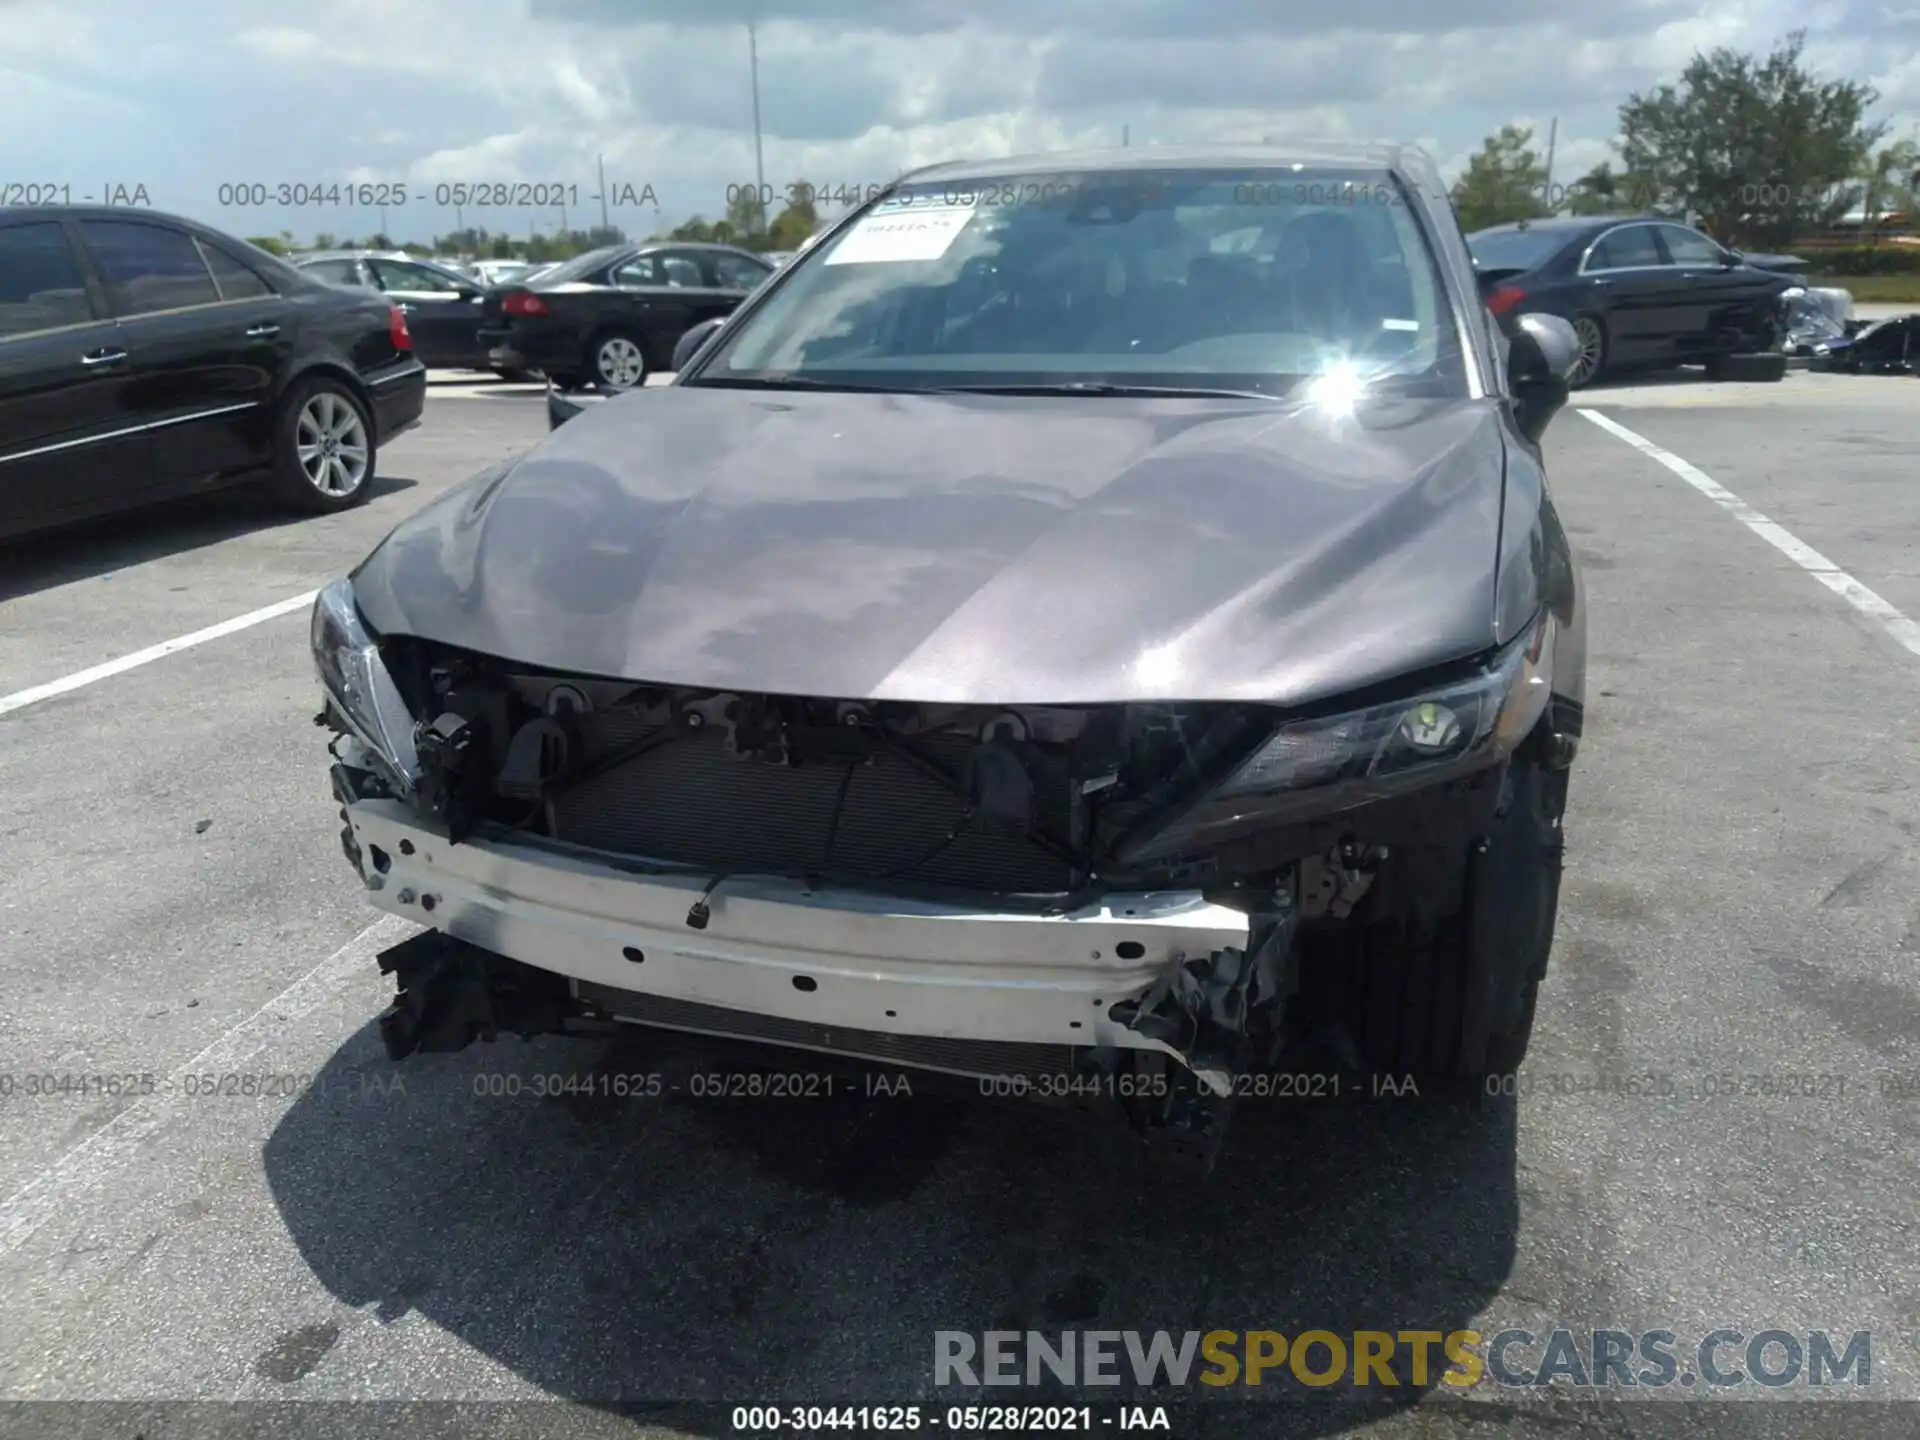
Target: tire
1450,999
1591,331
616,362
308,475
1762,368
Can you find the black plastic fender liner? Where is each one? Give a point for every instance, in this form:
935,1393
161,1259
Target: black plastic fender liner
1512,903
452,993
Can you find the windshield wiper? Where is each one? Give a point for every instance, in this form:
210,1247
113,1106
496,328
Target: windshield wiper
1107,387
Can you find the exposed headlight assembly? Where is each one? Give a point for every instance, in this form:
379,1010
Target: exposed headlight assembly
1328,763
1404,738
358,687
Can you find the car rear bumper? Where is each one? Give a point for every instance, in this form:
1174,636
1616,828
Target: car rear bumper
524,347
399,397
798,960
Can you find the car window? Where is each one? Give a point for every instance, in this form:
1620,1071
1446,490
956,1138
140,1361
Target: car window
1514,249
641,270
41,287
1140,277
399,275
336,272
1625,248
236,280
737,272
149,268
1689,247
683,269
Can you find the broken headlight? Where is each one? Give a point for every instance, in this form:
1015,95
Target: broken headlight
359,690
1399,742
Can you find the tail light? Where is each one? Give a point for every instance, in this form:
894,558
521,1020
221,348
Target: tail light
1505,298
397,328
524,302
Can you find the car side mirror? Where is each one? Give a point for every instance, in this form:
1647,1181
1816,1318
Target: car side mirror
1541,356
691,342
469,292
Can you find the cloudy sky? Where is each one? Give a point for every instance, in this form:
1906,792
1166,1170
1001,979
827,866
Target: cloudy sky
182,98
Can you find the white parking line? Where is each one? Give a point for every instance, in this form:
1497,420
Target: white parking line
116,1142
1904,631
20,699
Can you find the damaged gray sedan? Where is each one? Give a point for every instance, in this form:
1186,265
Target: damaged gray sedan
1099,615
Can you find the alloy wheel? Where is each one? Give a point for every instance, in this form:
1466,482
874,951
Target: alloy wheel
1593,349
330,440
619,363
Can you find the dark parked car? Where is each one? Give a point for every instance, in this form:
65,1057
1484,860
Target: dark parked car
443,307
611,316
1642,293
1057,638
144,356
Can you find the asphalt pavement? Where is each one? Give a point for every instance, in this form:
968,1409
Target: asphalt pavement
1741,916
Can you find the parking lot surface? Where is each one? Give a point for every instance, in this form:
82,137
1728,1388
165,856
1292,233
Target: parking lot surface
1741,914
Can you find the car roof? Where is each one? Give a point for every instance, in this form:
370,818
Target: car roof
1571,225
1262,155
307,255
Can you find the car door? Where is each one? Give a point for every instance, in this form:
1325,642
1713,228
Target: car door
442,313
659,299
207,364
1714,297
71,436
1624,277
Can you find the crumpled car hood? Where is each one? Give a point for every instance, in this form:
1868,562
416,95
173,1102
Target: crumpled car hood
968,549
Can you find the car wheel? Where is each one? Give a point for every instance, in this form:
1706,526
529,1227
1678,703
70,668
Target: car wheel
1591,360
618,362
1450,998
324,448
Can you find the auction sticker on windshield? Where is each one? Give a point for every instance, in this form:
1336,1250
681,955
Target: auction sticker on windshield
902,234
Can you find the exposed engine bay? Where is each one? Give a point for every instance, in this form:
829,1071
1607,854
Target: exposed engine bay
1027,802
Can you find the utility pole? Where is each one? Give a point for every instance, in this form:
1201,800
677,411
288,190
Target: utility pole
604,223
759,165
1126,136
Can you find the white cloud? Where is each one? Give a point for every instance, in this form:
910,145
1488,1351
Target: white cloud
184,99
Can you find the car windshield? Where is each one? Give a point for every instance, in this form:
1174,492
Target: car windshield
1514,249
1165,279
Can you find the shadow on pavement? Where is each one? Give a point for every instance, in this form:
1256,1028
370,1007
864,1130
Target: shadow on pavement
99,547
615,1250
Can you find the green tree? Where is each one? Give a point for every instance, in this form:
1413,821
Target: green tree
793,225
272,244
747,215
1891,185
1759,149
1606,191
1505,181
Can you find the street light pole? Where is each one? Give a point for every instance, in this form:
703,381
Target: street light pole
759,164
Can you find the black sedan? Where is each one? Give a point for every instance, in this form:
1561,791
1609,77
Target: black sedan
1642,293
443,307
610,317
147,357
